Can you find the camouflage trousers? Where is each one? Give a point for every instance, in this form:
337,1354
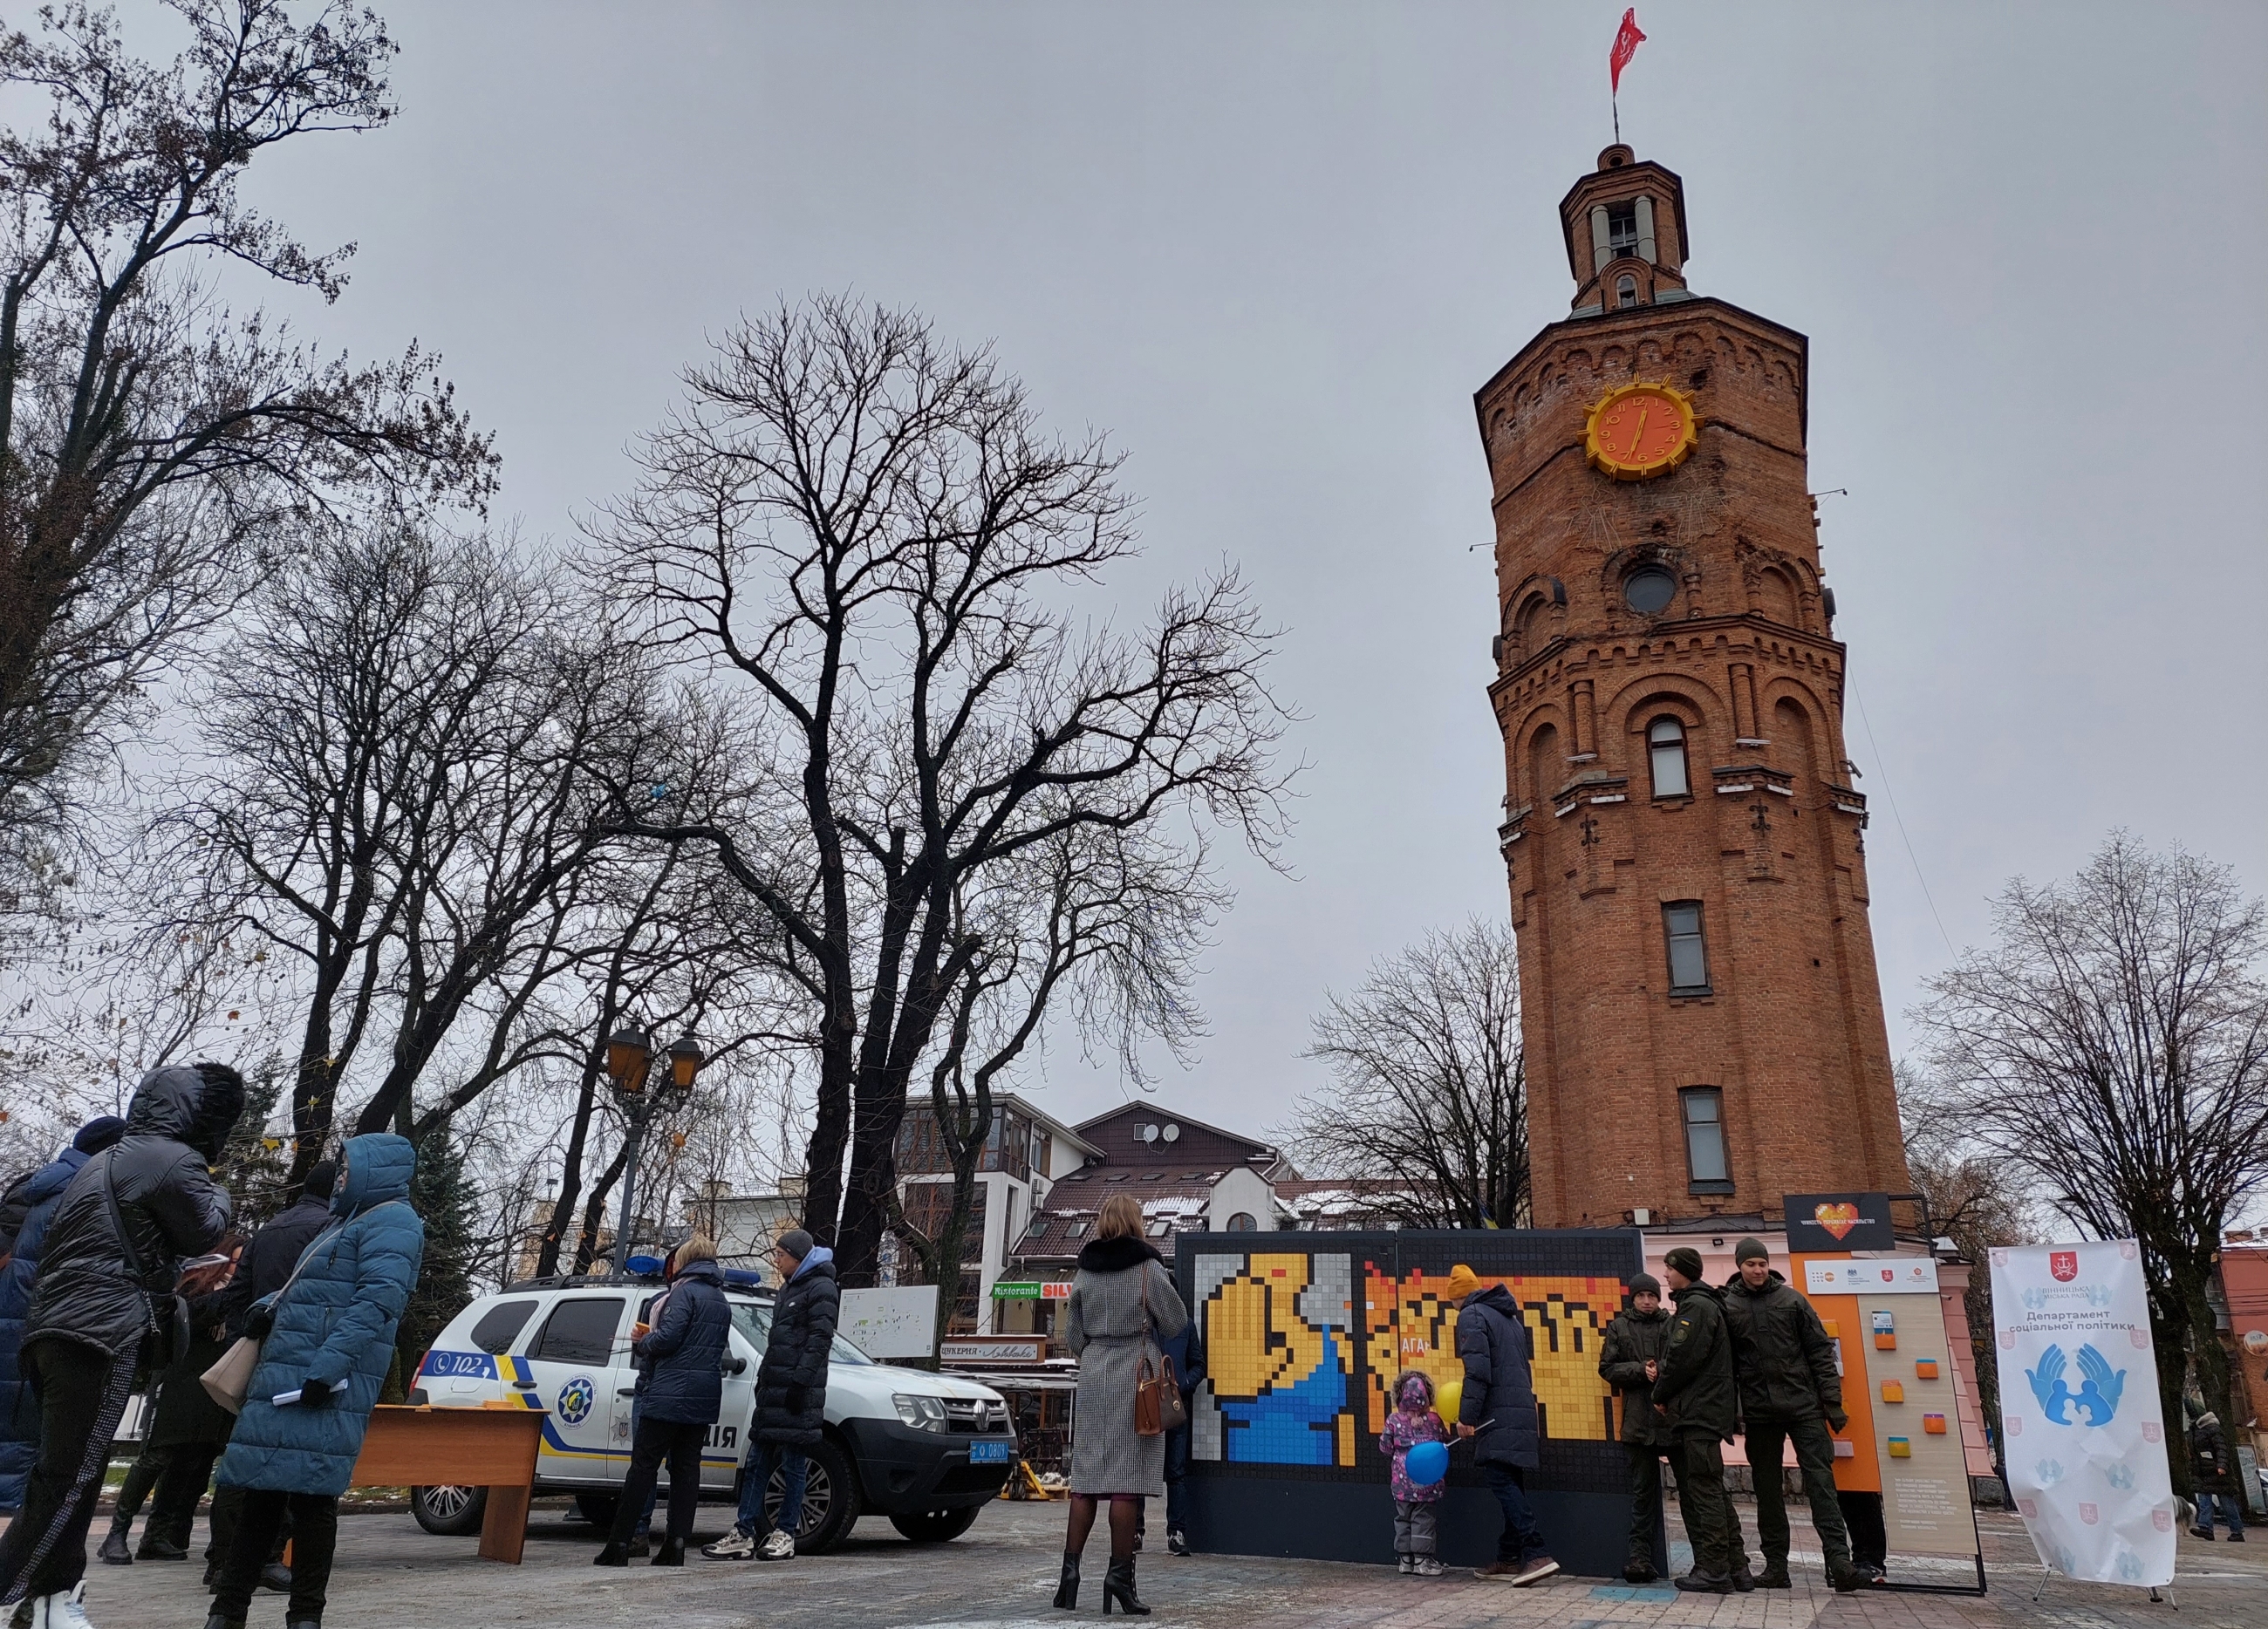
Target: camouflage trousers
1815,1453
1712,1526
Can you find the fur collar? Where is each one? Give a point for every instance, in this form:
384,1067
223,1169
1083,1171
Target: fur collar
1116,1254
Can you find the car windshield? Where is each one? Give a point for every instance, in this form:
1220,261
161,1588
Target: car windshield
754,1320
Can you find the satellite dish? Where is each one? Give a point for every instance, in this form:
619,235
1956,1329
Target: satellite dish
1149,1134
1172,1134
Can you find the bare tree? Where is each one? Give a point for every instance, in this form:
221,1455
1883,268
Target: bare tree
1107,921
2113,1047
397,803
857,529
1430,1092
150,440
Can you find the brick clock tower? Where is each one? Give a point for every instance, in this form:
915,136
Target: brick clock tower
1702,1020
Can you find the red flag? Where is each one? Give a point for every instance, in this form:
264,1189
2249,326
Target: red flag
1627,40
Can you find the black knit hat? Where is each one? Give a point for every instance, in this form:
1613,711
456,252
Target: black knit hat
1644,1284
1685,1259
1750,1249
796,1242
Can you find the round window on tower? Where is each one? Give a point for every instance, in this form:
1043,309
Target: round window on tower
1649,590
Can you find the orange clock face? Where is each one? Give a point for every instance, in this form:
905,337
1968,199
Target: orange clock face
1638,430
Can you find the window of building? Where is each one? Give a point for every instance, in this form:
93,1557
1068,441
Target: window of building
1689,955
1160,1227
1622,228
1243,1223
1665,752
1704,1108
581,1331
1649,590
1625,290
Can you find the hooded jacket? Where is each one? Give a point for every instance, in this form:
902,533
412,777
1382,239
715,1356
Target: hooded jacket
2210,1459
1405,1430
792,1381
33,1201
1693,1383
1781,1353
171,1206
1631,1339
684,1353
1492,1340
335,1324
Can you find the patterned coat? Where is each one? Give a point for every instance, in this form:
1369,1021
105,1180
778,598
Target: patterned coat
1405,1429
1109,1334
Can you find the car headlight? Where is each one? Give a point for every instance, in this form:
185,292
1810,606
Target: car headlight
923,1413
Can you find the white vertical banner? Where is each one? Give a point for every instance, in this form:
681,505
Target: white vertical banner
2082,1428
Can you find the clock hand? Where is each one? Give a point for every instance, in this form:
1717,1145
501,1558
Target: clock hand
1637,436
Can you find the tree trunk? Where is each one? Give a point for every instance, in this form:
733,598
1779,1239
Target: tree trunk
571,1173
594,1213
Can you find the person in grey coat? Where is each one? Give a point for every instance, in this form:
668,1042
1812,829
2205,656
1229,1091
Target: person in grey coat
1122,1304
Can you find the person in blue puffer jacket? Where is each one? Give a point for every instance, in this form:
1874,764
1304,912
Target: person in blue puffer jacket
23,1213
328,1340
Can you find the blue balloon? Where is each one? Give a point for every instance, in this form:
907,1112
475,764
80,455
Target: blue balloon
1427,1463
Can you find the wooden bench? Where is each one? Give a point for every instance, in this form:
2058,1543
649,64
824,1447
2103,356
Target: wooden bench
490,1447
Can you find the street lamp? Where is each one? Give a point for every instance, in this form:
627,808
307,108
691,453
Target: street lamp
630,1060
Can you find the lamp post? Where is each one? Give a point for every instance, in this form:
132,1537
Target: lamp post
629,1062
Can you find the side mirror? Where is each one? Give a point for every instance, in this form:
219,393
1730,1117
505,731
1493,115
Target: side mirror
736,1365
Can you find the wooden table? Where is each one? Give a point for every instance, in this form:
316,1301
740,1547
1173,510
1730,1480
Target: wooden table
490,1447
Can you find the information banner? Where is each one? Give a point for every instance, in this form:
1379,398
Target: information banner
2085,1436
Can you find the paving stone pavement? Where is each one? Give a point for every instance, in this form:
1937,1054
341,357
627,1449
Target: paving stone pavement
1001,1575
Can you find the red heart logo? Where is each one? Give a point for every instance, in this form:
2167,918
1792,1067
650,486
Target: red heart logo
1837,1219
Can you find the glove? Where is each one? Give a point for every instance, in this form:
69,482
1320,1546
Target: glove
315,1393
1838,1421
259,1321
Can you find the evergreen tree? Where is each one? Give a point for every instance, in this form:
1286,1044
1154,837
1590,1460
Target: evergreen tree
443,1193
255,1163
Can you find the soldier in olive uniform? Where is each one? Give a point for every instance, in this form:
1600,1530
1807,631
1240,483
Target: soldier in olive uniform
1636,1340
1789,1393
1693,1387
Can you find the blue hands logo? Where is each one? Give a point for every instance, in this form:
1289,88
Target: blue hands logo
576,1397
2098,1397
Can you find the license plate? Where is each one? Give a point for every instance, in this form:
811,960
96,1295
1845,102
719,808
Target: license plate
989,1453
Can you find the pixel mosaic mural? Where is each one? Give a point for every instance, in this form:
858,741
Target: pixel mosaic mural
1305,1333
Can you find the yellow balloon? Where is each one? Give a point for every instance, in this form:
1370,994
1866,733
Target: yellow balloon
1448,1397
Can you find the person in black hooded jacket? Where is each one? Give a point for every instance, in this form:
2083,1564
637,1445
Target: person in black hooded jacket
680,1391
94,1317
791,1399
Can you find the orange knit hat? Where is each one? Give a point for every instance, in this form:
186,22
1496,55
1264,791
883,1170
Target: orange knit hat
1463,1282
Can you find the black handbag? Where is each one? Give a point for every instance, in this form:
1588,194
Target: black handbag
169,1312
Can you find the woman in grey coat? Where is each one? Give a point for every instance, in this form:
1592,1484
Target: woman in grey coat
1122,1303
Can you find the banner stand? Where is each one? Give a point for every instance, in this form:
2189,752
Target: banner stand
2168,1599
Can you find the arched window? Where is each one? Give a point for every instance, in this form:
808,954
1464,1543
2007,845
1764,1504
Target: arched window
1665,750
1626,290
1243,1223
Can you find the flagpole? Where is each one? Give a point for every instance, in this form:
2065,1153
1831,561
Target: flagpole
1616,101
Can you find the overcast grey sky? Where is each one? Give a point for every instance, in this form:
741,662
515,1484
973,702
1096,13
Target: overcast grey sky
1273,249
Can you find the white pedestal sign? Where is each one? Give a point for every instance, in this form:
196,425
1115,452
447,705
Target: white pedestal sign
2084,1440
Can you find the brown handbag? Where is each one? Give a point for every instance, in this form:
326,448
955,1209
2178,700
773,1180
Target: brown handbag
1158,1405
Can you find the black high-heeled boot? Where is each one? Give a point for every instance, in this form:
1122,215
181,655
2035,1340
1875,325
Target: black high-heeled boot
1067,1590
1118,1586
672,1554
613,1555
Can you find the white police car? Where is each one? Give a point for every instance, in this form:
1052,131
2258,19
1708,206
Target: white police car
929,1452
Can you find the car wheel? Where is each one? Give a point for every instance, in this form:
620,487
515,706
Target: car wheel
937,1527
597,1508
448,1511
830,1498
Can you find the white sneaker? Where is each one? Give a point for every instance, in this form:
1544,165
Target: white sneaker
57,1611
777,1546
737,1546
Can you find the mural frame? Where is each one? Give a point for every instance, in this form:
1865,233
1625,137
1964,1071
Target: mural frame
1303,1332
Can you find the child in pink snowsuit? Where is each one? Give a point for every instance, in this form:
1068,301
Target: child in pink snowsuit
1413,1421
